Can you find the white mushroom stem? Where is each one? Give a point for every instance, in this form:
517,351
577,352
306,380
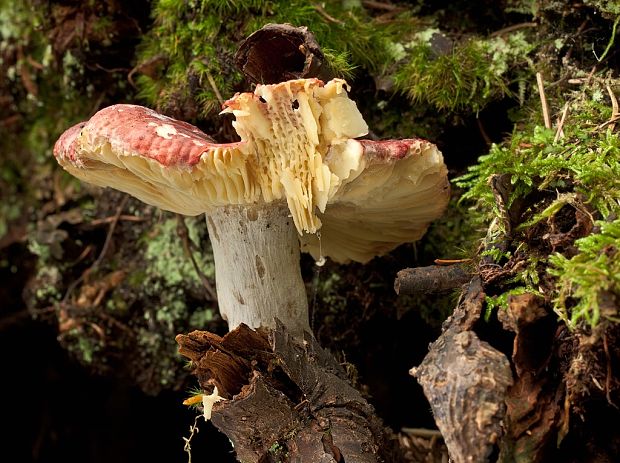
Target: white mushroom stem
257,272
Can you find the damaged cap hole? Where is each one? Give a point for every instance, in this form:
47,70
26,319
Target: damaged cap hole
262,100
295,104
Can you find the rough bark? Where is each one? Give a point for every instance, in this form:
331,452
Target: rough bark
432,279
465,380
289,399
533,403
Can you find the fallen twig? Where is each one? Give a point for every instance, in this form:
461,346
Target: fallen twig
615,112
422,432
216,90
543,100
104,250
514,27
373,5
432,279
608,376
559,133
123,217
319,9
187,243
610,44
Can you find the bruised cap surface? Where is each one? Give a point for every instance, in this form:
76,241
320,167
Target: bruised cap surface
297,144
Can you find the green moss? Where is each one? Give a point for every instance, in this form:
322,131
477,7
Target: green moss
279,452
157,350
585,161
164,283
168,260
195,43
611,7
85,347
548,174
586,279
466,77
46,291
201,318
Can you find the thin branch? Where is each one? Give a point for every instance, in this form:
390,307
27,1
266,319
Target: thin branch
104,250
187,243
559,133
123,217
483,132
451,261
193,430
615,112
214,87
422,432
611,41
609,372
514,27
319,9
374,5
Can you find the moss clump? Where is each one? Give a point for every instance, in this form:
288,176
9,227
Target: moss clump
611,7
589,281
560,186
169,261
460,77
52,75
191,47
584,160
169,291
187,58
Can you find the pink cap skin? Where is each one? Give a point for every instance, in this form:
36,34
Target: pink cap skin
141,131
65,147
161,161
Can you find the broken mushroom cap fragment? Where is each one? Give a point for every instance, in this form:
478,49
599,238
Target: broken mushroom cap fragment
363,197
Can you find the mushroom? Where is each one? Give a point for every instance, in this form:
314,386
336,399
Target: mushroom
298,178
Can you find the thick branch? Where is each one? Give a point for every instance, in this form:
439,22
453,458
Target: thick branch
465,380
432,279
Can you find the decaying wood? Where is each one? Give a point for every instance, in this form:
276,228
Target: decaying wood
285,394
465,380
431,279
279,52
533,402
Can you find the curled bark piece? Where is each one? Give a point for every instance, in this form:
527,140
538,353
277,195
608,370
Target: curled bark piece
431,279
465,381
528,318
279,52
534,404
286,394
